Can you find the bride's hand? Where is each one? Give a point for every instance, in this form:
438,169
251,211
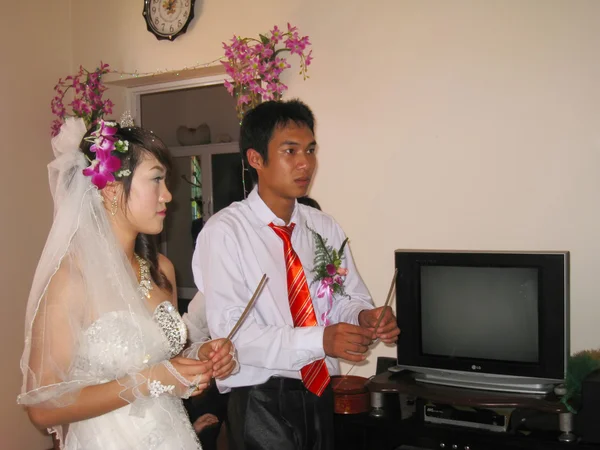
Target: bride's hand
222,354
180,376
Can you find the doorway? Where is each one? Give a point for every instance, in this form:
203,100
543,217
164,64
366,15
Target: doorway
199,124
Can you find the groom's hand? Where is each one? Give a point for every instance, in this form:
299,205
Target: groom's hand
346,341
387,330
220,352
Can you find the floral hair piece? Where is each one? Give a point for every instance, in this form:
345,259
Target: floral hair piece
106,166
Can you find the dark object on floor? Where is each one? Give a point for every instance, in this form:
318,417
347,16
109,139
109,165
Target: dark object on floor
209,402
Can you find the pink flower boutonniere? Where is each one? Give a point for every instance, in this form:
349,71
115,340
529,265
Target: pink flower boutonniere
328,271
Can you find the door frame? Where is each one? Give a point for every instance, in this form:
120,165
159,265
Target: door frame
133,95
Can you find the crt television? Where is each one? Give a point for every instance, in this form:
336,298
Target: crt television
492,320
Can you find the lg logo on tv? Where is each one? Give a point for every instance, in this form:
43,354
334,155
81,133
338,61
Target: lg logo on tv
474,367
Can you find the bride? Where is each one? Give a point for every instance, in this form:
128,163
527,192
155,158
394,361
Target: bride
104,365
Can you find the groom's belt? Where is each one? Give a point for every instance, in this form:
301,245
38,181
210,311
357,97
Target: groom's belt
288,384
277,383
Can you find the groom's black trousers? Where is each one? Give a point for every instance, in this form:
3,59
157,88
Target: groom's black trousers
280,414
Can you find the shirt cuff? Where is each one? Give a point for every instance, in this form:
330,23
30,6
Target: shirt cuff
353,311
309,342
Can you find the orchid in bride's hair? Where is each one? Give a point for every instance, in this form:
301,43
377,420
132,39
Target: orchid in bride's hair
106,166
103,136
102,168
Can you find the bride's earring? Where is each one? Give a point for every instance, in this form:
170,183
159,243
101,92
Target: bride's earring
113,206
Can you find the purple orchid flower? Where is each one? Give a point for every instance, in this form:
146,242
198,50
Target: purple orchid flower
103,144
331,270
102,168
104,137
106,129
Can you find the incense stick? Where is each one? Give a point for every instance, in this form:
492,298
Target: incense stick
245,313
387,301
248,307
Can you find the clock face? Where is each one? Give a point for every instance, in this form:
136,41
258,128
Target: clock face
168,18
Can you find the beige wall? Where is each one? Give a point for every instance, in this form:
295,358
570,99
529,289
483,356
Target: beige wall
36,51
441,125
460,124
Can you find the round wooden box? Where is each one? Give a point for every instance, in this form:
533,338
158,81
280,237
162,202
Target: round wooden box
351,395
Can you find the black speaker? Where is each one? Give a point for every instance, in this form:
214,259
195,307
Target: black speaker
384,363
587,419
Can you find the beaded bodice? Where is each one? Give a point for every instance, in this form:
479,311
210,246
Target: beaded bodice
172,326
112,342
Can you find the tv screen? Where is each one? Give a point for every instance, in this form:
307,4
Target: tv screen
480,312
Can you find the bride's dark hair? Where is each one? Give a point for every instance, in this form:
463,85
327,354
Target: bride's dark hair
141,143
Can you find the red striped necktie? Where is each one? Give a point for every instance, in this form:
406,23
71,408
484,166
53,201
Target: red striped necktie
315,375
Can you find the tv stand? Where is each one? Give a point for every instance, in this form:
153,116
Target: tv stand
500,384
556,434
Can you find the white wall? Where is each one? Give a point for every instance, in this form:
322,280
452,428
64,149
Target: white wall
459,124
35,51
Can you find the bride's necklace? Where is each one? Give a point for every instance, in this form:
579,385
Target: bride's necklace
145,281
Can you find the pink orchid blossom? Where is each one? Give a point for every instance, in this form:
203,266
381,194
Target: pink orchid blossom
228,86
103,135
102,168
105,129
244,99
342,271
87,102
255,65
330,269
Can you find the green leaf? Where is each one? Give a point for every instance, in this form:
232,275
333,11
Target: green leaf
265,40
341,252
322,254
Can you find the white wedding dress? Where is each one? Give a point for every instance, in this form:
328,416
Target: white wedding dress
146,424
88,322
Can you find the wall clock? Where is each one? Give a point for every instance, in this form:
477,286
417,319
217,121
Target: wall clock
168,19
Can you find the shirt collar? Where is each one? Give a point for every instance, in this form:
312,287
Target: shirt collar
266,216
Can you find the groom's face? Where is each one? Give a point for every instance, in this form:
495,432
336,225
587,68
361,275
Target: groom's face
291,163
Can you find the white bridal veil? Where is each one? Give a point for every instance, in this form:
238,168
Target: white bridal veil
83,281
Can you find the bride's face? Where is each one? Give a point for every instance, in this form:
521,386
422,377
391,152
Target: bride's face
148,197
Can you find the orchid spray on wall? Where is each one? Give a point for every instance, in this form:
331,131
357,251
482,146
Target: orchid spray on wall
88,103
255,65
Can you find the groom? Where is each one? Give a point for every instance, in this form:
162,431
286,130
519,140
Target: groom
289,344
